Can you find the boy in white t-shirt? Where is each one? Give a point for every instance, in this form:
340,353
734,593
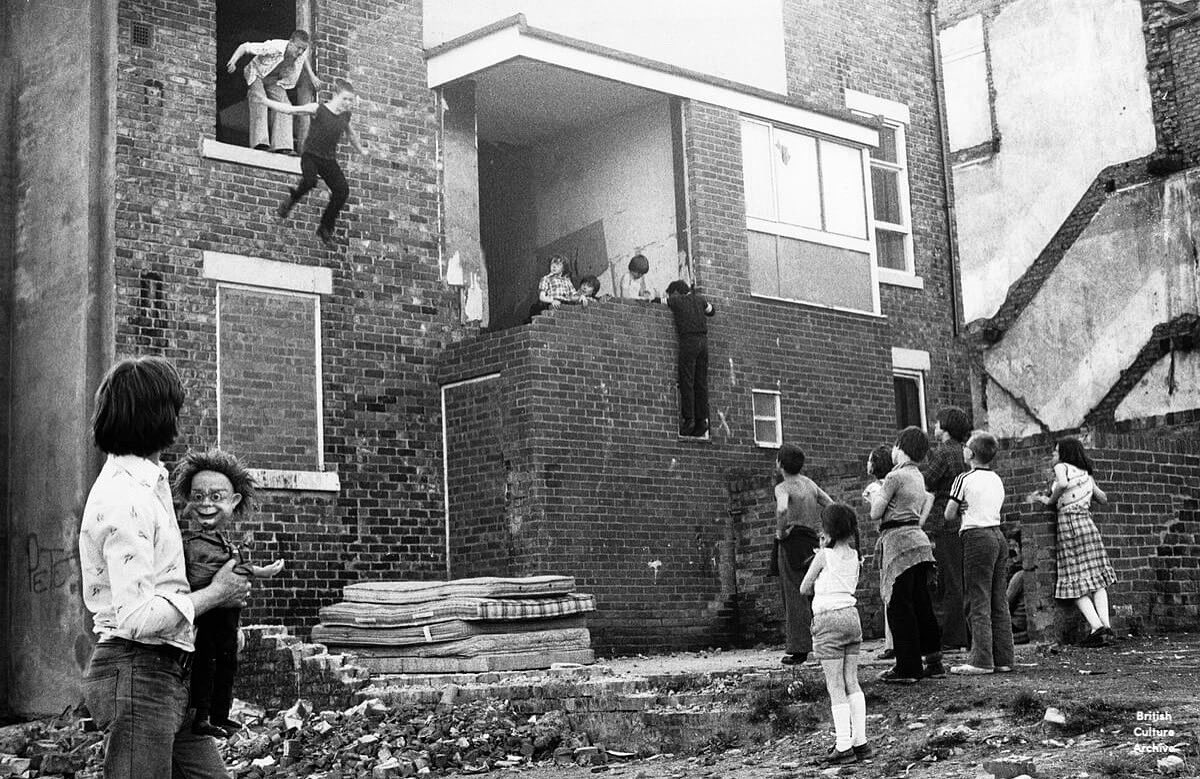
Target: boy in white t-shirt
978,495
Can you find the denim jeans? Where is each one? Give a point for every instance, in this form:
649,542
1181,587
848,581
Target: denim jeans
985,590
139,696
281,124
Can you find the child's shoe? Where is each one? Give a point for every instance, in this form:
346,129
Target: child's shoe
935,670
841,758
887,654
228,725
326,236
862,751
201,726
1094,639
797,658
891,677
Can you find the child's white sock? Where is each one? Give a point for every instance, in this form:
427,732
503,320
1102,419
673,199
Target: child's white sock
858,717
841,725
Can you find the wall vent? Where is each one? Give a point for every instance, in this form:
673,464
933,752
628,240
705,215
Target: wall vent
142,34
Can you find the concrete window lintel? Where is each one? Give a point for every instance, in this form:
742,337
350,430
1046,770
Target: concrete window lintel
296,481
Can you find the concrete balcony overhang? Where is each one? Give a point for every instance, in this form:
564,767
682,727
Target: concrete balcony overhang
532,83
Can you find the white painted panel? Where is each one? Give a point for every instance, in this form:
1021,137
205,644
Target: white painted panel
756,169
741,41
964,68
797,183
843,190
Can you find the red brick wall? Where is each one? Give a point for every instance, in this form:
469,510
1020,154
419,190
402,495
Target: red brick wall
1151,527
1185,57
382,327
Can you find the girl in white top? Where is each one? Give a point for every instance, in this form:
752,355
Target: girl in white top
832,579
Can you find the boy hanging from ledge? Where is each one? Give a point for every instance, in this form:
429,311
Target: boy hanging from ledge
330,120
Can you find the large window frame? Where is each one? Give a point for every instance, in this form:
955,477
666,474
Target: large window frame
826,231
775,418
894,119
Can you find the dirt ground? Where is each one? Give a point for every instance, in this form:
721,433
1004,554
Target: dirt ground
1124,708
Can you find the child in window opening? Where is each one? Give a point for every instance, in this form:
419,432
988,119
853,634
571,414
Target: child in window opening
213,486
691,313
1084,572
798,503
633,284
906,562
330,120
274,69
837,630
978,495
879,462
940,469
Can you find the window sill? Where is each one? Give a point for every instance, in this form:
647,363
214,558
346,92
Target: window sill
296,481
899,278
255,158
821,306
765,445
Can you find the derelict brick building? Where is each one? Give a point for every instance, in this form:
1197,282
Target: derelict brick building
405,420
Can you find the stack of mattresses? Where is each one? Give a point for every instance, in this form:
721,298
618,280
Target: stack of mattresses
460,626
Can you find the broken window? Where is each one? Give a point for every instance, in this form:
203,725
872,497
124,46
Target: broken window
909,386
768,421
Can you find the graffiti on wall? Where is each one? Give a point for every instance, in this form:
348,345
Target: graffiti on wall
47,568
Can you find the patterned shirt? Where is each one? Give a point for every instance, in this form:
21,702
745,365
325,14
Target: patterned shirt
554,285
267,56
131,555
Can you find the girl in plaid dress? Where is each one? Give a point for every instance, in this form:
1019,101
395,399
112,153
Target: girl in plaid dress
1084,572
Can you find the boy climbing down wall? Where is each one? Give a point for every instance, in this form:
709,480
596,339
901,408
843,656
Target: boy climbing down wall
330,120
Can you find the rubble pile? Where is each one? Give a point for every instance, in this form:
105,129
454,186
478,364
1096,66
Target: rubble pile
460,626
369,741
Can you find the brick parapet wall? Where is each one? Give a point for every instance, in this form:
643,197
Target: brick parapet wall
1184,43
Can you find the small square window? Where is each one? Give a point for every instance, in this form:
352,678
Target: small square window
768,421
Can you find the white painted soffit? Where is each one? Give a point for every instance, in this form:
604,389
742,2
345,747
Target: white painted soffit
512,38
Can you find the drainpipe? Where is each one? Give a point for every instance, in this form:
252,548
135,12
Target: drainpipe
939,92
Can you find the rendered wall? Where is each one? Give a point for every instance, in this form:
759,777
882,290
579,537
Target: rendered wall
741,42
1132,268
1071,98
59,279
1169,387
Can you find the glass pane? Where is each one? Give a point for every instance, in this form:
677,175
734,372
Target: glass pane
795,159
890,250
756,170
908,402
817,273
843,190
764,404
886,150
764,266
885,187
765,432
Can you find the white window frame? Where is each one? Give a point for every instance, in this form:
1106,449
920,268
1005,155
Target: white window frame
777,418
913,364
231,271
822,237
895,116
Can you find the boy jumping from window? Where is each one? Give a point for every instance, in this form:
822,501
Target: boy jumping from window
274,69
330,120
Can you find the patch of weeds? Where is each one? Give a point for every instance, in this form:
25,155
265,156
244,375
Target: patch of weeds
1025,706
956,707
939,746
1095,714
806,688
1123,766
779,706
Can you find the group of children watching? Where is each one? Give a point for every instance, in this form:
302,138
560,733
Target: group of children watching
818,559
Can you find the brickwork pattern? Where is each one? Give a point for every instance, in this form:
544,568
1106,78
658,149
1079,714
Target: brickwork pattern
1149,528
1185,70
382,328
275,669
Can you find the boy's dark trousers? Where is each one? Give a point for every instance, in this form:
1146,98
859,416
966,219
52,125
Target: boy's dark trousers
796,554
693,381
312,166
214,665
915,630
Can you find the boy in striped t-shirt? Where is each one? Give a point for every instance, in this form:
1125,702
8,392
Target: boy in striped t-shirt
978,495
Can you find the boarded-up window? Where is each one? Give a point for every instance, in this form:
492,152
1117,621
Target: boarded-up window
965,70
269,378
